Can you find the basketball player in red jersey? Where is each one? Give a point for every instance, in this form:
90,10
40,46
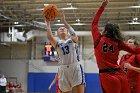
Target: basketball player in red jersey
107,46
134,60
55,80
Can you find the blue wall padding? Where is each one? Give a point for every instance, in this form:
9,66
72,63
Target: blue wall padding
39,82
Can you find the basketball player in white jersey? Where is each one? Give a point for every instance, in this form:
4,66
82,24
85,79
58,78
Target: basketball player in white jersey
70,73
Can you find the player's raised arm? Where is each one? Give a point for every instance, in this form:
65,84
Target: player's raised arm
50,12
70,29
125,47
94,28
129,66
50,35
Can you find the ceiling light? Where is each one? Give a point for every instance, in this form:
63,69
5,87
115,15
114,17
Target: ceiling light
134,23
69,8
135,19
40,9
59,24
19,25
15,23
58,20
46,4
79,24
77,20
134,7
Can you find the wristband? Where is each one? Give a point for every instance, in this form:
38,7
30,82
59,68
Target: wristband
71,31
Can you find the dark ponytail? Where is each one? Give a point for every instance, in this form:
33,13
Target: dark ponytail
136,42
113,31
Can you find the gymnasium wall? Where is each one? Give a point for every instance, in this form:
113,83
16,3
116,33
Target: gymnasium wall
15,51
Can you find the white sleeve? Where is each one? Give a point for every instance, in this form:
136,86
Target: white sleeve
71,31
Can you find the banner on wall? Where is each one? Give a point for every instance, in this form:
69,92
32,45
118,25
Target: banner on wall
50,54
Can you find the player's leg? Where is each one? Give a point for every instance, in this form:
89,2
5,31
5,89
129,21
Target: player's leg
110,83
79,89
78,79
125,87
63,80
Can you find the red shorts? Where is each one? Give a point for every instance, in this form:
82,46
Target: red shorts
114,82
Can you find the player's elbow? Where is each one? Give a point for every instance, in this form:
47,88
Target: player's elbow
75,39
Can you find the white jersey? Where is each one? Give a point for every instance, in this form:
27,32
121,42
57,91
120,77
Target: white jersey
3,81
68,52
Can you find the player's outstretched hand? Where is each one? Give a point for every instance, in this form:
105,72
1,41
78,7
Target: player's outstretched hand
49,88
63,19
105,2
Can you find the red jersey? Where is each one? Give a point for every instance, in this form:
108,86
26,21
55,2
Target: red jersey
133,76
107,49
124,59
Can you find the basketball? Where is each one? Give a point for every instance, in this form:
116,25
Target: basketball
50,12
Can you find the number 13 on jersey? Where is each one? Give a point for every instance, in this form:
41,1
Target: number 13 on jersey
65,50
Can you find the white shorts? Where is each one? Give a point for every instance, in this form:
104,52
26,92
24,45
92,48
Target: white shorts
70,76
